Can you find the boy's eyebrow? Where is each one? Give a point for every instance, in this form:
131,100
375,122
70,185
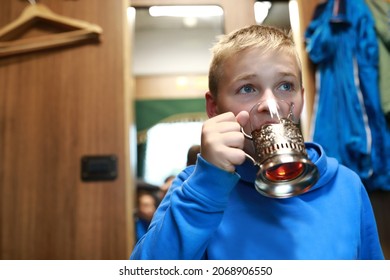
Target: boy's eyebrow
244,76
248,76
288,74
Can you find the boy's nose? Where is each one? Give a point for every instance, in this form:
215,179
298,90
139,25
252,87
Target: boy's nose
267,94
266,99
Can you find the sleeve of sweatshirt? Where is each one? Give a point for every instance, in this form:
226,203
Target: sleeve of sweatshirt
189,214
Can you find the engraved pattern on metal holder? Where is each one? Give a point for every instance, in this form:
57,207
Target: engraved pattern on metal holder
285,170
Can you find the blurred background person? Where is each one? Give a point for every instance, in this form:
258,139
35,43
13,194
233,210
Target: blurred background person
165,186
192,154
148,199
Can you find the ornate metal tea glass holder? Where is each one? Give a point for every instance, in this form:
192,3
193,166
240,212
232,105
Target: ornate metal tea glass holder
284,167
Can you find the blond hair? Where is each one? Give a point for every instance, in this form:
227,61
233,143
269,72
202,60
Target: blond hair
266,38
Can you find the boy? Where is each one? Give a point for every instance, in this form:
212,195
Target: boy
212,210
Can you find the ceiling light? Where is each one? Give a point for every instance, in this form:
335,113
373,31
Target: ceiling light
261,11
190,21
186,11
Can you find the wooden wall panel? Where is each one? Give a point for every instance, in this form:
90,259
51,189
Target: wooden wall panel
170,86
55,107
306,11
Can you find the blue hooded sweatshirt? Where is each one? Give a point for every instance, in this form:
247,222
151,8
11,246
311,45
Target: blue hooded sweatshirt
209,213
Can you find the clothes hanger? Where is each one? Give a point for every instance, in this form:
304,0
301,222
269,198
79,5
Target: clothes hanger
78,31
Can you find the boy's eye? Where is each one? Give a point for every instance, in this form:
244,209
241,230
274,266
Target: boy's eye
286,87
247,89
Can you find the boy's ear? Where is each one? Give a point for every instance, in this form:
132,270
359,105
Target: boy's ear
211,105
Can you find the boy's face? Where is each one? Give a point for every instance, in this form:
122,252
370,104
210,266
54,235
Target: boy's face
252,76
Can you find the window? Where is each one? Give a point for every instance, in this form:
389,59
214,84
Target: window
167,145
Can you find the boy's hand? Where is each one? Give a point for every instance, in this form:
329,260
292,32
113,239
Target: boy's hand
222,142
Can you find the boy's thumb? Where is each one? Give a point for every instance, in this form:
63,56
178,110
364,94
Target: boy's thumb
242,118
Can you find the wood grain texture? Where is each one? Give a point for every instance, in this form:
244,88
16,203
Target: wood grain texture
56,106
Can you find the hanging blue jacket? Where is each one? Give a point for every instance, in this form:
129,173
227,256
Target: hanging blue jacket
209,213
349,121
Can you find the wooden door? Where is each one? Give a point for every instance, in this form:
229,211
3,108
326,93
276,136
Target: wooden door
56,106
